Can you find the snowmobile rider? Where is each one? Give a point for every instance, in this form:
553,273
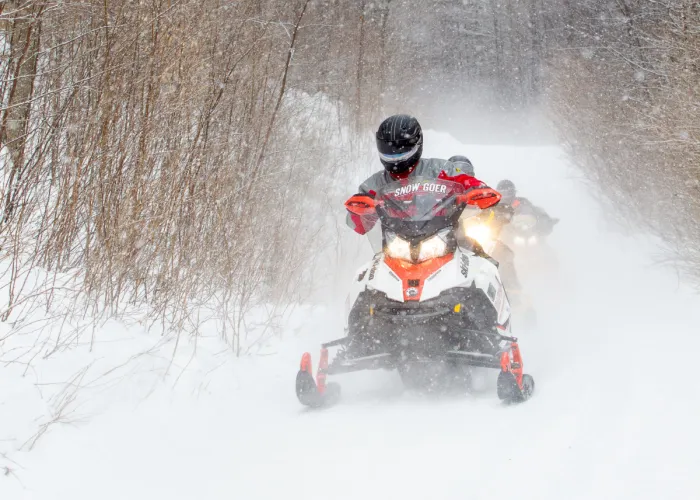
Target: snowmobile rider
521,205
462,165
502,212
499,215
400,145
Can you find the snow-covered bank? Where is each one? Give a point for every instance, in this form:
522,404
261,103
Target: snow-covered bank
613,416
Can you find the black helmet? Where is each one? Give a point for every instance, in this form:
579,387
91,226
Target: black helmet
463,164
400,143
507,189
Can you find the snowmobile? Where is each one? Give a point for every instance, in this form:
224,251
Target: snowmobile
491,228
527,234
430,304
525,231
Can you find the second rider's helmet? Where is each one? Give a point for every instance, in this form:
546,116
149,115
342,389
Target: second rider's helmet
400,144
507,189
463,164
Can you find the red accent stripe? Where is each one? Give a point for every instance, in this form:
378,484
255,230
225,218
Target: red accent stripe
410,271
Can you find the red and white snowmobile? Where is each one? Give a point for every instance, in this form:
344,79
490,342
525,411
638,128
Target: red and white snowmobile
431,304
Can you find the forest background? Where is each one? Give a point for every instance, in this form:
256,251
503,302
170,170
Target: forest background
173,156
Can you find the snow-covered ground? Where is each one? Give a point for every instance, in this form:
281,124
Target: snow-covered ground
614,415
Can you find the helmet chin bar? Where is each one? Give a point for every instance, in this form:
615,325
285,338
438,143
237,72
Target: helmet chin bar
405,174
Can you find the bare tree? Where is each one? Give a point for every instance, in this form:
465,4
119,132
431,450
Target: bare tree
22,26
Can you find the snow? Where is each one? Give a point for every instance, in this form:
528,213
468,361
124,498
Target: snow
614,415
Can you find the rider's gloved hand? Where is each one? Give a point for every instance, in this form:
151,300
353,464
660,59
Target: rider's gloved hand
364,223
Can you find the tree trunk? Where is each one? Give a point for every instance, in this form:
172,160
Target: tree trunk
24,29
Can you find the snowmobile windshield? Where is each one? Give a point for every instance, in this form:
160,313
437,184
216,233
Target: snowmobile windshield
419,207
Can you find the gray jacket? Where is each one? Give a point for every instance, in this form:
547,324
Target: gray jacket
427,167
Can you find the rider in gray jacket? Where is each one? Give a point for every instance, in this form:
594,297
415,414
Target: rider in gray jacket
400,145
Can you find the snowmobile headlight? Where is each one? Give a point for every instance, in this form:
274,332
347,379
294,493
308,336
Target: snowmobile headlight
432,248
481,233
532,240
397,247
519,240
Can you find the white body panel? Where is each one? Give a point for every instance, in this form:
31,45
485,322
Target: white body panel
465,270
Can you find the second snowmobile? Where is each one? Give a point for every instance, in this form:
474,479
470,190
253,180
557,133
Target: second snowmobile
492,230
430,304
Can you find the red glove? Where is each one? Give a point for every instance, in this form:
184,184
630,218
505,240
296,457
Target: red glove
362,224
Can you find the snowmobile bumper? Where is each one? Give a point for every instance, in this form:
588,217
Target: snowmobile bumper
388,360
461,319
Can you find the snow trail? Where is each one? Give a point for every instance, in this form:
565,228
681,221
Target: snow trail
613,415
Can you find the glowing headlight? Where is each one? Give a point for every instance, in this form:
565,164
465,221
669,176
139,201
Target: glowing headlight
432,248
481,233
519,240
532,240
398,248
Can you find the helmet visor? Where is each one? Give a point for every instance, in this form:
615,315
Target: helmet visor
398,154
398,145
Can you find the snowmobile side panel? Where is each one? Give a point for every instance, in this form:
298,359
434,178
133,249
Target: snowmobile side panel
484,275
446,277
358,284
381,277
